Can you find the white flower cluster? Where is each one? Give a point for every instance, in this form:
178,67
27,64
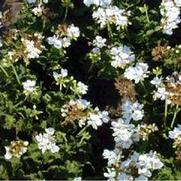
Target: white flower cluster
62,74
175,133
121,56
102,3
16,149
137,73
82,88
170,11
34,1
58,42
94,117
111,15
160,92
29,86
132,111
37,11
46,141
144,163
99,42
30,49
124,134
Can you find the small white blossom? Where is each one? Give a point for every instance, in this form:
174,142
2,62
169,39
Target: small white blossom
111,15
31,50
77,179
29,85
94,120
170,12
73,32
46,141
124,134
110,174
55,41
132,111
175,133
37,11
111,156
124,177
121,56
99,42
160,93
157,81
137,73
102,3
82,88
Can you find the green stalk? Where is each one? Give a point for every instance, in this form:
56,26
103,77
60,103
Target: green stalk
15,73
109,30
4,71
66,13
146,11
175,115
165,112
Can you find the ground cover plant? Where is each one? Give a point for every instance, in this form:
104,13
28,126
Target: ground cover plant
90,90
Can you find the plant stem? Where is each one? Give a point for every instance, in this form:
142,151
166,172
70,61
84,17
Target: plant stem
109,30
174,116
82,130
146,11
66,13
4,71
16,75
165,112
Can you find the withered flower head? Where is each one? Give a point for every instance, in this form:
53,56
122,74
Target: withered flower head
146,129
126,88
159,52
16,149
74,111
173,87
62,30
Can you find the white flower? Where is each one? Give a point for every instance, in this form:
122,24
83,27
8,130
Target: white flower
94,120
31,50
157,81
124,134
31,1
46,141
175,133
64,73
29,85
137,73
73,32
102,3
55,41
77,179
178,3
37,11
111,156
124,177
99,42
82,88
170,15
1,43
141,178
121,56
160,93
16,149
147,162
110,174
110,15
132,111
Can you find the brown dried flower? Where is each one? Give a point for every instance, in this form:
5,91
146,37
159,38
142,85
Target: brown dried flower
126,88
159,52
